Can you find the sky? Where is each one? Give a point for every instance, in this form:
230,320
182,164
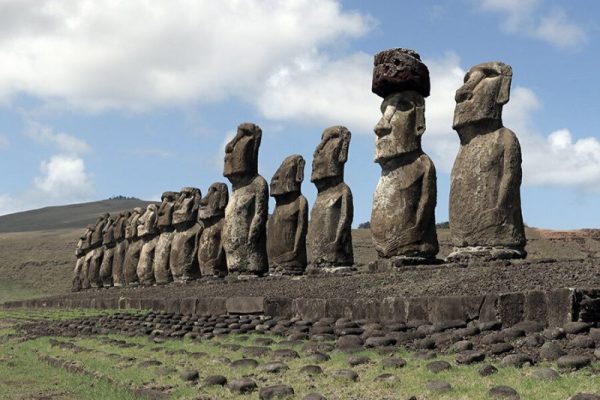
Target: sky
100,98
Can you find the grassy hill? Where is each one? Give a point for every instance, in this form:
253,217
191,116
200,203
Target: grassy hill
64,217
37,247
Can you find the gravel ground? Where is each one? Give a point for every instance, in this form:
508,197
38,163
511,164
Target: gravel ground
439,280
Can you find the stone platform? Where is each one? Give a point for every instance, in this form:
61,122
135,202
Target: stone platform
548,291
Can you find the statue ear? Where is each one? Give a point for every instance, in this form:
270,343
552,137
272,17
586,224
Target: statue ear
345,145
223,196
420,120
300,170
504,93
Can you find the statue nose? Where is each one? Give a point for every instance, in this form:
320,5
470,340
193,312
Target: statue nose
382,128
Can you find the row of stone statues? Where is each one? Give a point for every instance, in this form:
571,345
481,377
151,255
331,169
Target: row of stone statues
189,236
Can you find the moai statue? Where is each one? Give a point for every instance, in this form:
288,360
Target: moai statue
183,259
211,256
134,247
403,214
87,258
80,252
161,267
485,201
108,244
287,226
244,231
330,227
148,231
122,243
97,252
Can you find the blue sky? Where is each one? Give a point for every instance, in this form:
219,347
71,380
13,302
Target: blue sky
101,98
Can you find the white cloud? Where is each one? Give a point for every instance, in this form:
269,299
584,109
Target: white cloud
557,29
63,141
319,89
554,27
63,177
135,54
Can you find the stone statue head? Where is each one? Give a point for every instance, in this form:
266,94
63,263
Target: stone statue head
98,229
108,233
241,153
485,90
214,202
186,206
289,176
401,125
147,222
165,211
121,225
131,230
331,154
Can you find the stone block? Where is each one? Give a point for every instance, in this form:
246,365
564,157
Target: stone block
589,305
561,306
536,308
173,305
339,308
489,308
417,309
312,309
188,306
369,309
211,306
245,305
511,308
278,307
393,309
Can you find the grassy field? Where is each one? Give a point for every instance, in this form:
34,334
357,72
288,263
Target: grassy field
123,367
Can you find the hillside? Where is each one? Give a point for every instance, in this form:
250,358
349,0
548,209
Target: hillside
65,217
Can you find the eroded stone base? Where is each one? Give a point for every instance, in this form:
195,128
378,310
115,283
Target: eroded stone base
483,253
390,264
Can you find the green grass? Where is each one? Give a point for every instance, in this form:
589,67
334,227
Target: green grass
104,358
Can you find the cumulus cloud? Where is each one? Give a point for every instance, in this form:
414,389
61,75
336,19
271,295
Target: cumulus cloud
63,141
554,27
101,54
64,177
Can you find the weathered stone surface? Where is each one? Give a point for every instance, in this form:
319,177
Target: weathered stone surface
329,229
403,214
398,70
573,362
122,243
161,267
211,256
183,259
243,385
485,202
93,275
244,231
134,248
108,249
276,392
503,392
287,226
148,231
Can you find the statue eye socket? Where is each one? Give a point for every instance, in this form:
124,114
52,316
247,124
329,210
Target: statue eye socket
490,73
404,106
467,76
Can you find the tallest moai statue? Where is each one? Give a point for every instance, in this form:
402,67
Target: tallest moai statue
403,214
485,199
